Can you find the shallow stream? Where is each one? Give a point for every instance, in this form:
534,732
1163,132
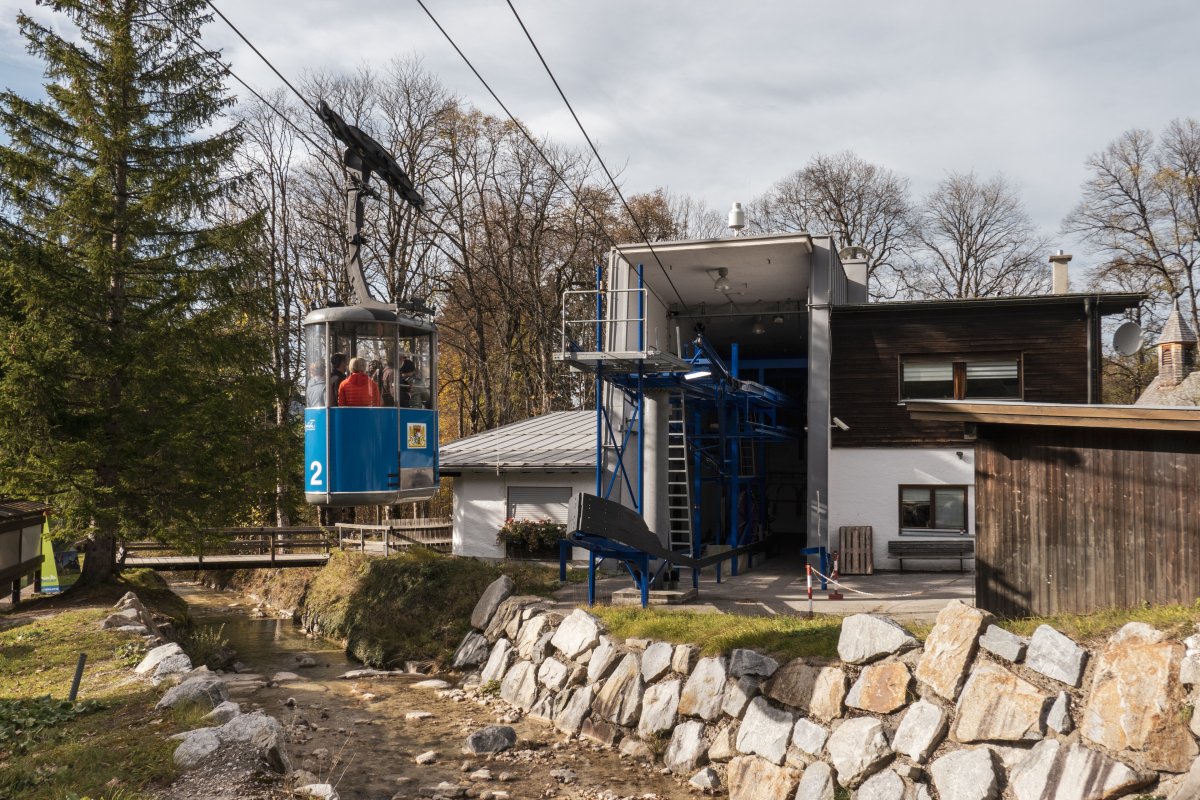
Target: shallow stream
357,733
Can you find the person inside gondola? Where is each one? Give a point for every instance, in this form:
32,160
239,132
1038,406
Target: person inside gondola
337,374
408,372
358,389
315,393
387,380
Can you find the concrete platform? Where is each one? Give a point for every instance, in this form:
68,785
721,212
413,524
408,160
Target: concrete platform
657,597
777,586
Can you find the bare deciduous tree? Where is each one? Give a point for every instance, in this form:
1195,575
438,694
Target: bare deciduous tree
1141,212
860,203
973,238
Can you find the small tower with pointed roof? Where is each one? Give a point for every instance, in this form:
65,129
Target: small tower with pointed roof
1176,349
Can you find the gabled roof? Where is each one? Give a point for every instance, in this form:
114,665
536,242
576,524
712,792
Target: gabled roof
1176,331
560,440
21,508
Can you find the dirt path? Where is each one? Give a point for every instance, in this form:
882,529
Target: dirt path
358,734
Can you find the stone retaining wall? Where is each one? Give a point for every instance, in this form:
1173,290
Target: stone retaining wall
972,713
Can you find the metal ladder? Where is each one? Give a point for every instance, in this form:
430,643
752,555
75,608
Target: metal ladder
679,478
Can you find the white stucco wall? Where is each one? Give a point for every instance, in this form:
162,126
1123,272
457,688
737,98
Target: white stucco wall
864,490
481,503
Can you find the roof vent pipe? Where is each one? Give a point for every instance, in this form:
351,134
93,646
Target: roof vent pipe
737,219
1061,281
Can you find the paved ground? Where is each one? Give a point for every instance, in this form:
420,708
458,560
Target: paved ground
777,586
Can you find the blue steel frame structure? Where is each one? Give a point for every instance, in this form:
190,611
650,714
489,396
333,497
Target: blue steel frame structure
744,412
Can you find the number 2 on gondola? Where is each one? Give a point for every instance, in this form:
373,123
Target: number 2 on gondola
315,478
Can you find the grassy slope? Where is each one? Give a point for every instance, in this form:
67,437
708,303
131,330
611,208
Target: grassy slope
124,740
411,606
800,637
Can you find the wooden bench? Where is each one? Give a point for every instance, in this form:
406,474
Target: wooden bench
959,550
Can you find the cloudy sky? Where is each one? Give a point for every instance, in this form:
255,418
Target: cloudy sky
720,99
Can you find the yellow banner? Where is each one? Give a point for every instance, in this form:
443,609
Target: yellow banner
49,564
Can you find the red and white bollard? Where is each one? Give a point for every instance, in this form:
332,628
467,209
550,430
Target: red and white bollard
834,594
808,569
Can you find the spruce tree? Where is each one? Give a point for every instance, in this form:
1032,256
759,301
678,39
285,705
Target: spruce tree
132,388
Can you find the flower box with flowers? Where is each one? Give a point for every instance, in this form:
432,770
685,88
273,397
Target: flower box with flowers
528,538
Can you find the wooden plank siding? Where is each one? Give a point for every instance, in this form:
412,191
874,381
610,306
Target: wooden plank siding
1080,519
869,343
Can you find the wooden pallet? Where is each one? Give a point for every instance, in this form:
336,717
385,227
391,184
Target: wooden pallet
856,550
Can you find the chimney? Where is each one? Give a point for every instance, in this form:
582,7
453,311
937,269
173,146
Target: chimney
855,261
1176,349
1061,282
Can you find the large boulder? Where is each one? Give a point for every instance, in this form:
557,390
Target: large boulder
816,783
604,658
880,688
577,634
520,686
869,637
471,651
809,737
497,663
792,684
1135,699
828,694
704,692
152,659
620,699
570,716
754,778
920,730
656,661
966,775
950,647
264,733
858,748
1071,772
1003,644
203,688
738,694
553,674
223,713
686,750
492,739
885,785
660,706
743,663
177,664
1055,656
765,730
996,705
497,592
530,633
196,747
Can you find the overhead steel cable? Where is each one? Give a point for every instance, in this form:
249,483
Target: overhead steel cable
596,152
521,127
281,114
249,44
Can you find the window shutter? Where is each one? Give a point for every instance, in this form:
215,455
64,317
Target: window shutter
539,502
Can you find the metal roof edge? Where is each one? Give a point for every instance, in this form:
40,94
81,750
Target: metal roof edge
1110,301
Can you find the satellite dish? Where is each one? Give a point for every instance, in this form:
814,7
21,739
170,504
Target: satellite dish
1127,339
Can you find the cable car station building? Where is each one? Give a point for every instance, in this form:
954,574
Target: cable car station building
748,393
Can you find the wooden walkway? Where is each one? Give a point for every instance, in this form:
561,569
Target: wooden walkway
268,548
196,562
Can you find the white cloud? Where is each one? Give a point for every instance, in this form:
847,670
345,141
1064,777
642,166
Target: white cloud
719,99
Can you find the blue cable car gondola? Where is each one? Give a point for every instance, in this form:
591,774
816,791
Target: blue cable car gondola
370,421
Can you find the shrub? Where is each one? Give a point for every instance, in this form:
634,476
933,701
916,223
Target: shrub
531,535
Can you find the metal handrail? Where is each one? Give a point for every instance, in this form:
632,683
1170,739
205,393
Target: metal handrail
604,298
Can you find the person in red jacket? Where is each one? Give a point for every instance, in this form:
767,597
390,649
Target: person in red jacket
358,389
